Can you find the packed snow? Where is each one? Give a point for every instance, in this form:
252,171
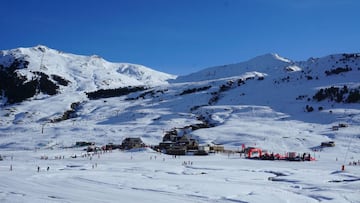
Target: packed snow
147,176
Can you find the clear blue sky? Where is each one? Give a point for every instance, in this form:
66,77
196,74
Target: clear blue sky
183,36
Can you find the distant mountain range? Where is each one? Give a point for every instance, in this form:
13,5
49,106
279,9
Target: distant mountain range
43,86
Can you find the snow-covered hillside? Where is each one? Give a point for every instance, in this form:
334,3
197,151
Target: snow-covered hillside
272,63
85,73
269,102
267,83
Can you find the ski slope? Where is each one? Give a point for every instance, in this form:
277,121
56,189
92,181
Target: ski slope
260,103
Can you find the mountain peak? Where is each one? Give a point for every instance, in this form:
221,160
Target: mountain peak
41,48
263,64
27,50
269,58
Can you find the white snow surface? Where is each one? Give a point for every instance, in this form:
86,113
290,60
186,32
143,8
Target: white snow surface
86,73
265,63
268,111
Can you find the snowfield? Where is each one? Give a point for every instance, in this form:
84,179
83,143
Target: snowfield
266,102
147,176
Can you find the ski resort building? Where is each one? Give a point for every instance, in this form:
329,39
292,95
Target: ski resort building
130,143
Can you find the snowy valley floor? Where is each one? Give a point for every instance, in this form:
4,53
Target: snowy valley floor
147,176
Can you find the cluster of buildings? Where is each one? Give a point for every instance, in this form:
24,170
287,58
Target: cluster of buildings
171,144
127,144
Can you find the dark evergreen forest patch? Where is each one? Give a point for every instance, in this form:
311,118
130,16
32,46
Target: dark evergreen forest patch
338,94
193,90
121,91
17,88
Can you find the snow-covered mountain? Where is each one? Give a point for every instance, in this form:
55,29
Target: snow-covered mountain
263,64
83,73
50,100
147,103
